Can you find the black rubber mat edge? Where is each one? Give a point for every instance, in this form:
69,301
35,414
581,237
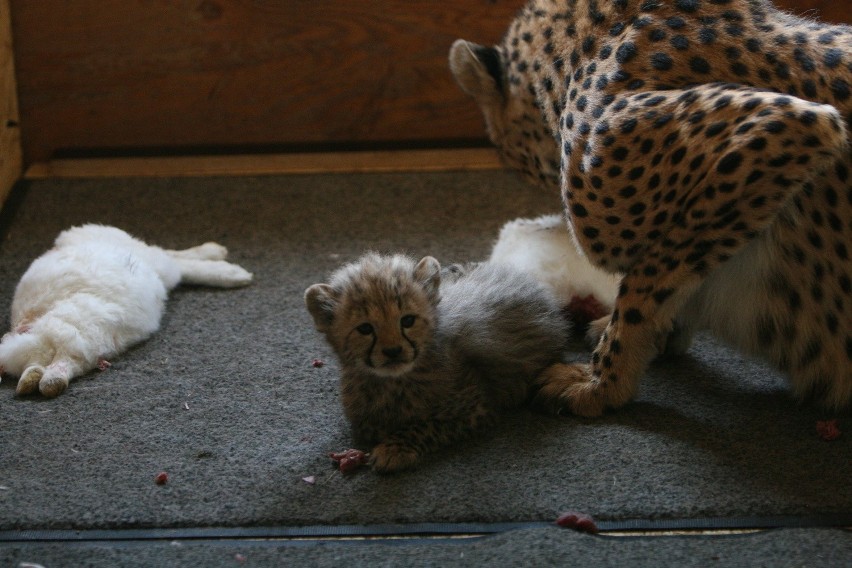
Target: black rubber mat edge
322,532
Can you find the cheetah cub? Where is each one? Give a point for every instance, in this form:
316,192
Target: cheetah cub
426,361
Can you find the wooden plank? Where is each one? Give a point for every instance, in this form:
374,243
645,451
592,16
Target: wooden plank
10,132
184,73
346,162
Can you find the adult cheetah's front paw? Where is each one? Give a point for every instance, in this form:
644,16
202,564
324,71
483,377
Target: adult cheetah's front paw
569,387
391,457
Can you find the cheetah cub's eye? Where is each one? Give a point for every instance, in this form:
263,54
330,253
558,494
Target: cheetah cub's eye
364,329
407,321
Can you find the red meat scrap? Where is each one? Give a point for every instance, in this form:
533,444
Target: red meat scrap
828,430
584,310
349,460
577,521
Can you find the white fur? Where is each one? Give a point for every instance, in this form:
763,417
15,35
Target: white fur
544,247
92,296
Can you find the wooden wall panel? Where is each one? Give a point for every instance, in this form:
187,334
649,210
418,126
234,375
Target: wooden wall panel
102,73
10,134
190,73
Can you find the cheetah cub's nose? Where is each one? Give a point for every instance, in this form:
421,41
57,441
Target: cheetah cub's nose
392,352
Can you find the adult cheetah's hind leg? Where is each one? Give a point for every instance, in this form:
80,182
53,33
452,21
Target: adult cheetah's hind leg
732,159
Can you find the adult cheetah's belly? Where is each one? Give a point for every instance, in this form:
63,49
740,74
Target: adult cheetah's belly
731,302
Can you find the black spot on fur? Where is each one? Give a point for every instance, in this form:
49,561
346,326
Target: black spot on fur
690,6
699,65
729,163
832,58
661,61
840,89
633,316
662,295
628,125
625,52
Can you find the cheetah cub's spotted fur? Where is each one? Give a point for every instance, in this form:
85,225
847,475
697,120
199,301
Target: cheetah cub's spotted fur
427,360
701,150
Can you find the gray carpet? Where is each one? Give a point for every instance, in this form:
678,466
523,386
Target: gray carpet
225,399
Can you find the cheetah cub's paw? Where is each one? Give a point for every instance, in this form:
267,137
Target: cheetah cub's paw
389,457
564,387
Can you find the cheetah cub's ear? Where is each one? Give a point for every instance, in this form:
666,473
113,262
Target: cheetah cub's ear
428,273
321,302
478,70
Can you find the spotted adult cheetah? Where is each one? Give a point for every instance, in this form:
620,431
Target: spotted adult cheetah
701,150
